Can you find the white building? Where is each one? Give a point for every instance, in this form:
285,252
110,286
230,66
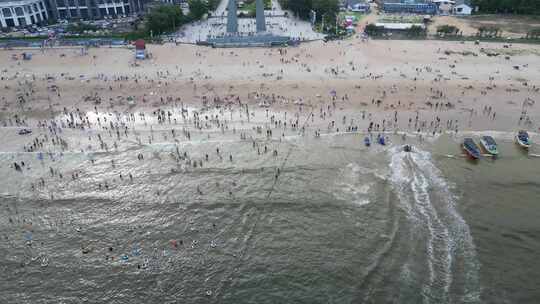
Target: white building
20,13
445,6
93,9
462,9
15,13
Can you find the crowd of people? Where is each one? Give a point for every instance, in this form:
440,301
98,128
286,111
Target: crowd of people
108,123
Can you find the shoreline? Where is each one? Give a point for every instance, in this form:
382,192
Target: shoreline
390,86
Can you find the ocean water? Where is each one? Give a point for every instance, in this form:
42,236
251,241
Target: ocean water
339,223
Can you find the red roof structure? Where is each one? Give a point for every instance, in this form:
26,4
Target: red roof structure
140,44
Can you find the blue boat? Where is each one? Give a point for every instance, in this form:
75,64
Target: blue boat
381,140
522,139
471,148
489,144
367,142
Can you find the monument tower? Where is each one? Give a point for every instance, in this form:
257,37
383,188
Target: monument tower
259,11
235,37
232,18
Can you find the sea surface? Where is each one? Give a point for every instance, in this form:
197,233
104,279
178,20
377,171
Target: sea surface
339,223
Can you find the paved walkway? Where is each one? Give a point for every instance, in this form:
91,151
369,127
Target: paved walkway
276,23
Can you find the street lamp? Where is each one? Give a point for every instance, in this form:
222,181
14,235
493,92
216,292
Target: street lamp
337,15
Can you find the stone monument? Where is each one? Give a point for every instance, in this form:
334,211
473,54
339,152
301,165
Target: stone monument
232,18
261,23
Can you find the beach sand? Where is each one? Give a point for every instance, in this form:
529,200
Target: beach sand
406,72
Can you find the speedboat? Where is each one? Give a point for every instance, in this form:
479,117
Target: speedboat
44,261
407,148
489,144
381,140
471,148
522,139
25,131
367,142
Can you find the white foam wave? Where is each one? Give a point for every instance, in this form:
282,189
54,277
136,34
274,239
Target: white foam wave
351,188
416,180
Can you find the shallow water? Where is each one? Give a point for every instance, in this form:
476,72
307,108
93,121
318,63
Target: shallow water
499,199
341,223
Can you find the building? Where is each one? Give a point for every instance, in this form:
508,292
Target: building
355,5
462,8
398,27
410,8
93,9
360,8
15,13
21,13
444,6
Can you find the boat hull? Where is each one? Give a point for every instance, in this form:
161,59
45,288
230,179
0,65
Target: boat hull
471,148
522,144
488,149
367,142
470,154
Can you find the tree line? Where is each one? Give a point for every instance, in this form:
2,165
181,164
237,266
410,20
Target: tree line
303,8
522,7
167,18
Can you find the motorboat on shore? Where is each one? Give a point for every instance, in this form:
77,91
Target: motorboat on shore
489,145
522,139
381,140
24,131
471,148
367,141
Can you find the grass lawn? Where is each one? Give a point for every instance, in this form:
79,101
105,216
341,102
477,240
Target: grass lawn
252,6
401,19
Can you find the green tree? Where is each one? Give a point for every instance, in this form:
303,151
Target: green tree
328,8
533,33
416,31
165,19
197,9
212,4
372,30
80,27
302,8
447,29
525,7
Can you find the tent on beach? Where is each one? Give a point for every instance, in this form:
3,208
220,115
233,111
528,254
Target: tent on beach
140,49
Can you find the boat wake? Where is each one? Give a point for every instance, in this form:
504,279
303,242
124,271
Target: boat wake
441,256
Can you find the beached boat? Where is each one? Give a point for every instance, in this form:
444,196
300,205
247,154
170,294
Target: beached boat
522,139
367,142
489,144
381,140
471,148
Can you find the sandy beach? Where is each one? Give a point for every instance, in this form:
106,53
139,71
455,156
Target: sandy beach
405,76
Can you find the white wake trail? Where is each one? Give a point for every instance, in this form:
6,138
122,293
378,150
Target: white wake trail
418,182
